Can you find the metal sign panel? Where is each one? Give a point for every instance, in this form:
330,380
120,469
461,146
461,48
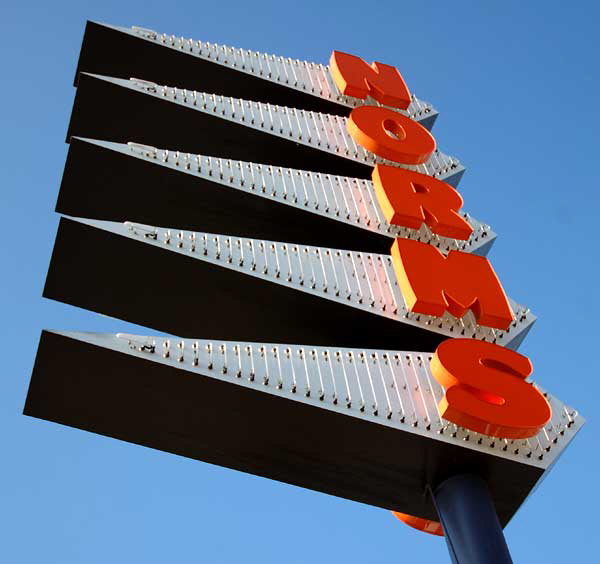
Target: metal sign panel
122,110
357,423
166,187
300,293
220,69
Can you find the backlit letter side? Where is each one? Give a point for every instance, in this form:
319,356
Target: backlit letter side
409,199
486,389
432,283
390,135
355,77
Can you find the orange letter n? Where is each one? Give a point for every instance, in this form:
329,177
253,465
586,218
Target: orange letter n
354,77
433,284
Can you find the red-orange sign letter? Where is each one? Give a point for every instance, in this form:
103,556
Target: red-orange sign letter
425,525
433,284
390,135
354,77
486,389
410,199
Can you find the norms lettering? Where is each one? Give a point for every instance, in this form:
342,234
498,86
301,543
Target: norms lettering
485,384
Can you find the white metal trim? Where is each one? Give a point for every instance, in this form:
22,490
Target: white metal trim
365,281
391,388
324,132
304,76
347,200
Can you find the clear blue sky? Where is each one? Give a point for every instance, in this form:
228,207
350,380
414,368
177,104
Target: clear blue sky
516,84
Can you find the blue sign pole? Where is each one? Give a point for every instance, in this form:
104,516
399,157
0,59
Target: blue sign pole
471,527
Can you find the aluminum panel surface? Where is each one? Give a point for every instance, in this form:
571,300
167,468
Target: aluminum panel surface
306,76
362,281
220,69
325,133
357,423
393,388
137,177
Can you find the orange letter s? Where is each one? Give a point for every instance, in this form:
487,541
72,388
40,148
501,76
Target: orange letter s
486,389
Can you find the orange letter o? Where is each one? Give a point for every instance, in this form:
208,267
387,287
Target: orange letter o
390,135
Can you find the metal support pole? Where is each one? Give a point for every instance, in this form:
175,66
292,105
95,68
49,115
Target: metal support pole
471,527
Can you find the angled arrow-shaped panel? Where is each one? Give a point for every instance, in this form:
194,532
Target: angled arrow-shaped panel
356,423
189,283
196,192
121,110
227,71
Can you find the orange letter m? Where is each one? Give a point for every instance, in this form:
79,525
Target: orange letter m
432,283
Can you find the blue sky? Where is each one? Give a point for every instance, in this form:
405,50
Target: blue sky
516,85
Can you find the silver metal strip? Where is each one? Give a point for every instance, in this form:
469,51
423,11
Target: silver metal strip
391,388
304,76
348,200
329,132
346,277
